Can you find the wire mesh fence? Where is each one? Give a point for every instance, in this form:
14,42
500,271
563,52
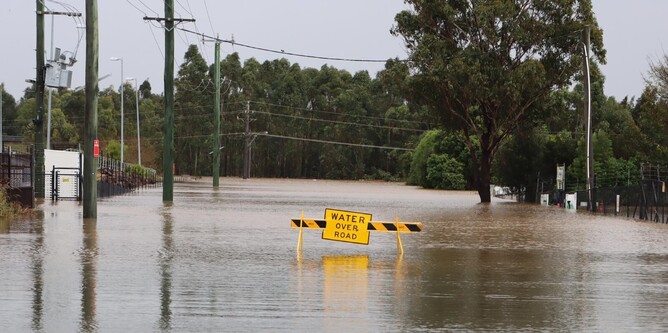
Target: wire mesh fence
640,196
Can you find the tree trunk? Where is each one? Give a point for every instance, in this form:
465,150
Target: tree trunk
484,176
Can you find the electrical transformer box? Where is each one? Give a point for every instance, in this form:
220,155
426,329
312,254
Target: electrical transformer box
56,77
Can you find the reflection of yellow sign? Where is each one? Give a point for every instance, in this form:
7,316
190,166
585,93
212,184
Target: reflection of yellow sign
344,226
345,293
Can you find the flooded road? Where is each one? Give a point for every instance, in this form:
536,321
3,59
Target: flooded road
225,261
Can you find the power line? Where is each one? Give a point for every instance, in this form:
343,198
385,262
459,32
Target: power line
340,122
361,145
149,8
336,113
137,8
284,52
208,16
334,142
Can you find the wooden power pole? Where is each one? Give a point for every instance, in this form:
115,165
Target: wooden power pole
247,143
168,152
168,145
90,140
216,117
39,102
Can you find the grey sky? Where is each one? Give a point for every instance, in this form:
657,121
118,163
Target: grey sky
634,32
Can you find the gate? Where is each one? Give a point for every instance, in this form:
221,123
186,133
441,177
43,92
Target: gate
66,184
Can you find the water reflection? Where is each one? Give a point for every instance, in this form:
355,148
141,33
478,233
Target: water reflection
88,257
37,263
225,261
346,284
165,261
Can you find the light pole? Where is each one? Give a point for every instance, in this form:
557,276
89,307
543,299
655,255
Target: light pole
591,195
138,135
122,81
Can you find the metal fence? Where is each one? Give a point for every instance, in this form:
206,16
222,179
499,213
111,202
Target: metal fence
118,178
16,175
643,196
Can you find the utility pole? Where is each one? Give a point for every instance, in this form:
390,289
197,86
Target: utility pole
138,129
216,117
588,129
168,152
39,102
48,123
90,158
168,145
247,143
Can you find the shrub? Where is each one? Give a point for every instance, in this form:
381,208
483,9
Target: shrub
445,172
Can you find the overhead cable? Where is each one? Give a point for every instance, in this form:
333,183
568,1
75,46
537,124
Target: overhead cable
234,43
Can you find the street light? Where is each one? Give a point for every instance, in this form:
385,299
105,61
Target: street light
121,60
138,135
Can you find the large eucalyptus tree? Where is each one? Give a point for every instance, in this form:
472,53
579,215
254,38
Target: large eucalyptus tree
482,66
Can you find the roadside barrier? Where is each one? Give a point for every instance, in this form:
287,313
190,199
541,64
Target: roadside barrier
352,227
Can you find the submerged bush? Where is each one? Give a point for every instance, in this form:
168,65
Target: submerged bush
445,173
8,208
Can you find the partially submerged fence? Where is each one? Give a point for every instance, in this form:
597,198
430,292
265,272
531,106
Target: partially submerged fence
63,176
16,175
116,178
643,197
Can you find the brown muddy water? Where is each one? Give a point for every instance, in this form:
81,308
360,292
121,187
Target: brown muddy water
225,261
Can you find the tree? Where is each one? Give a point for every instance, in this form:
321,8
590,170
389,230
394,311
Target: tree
145,90
8,112
657,76
651,115
439,161
483,66
445,172
193,111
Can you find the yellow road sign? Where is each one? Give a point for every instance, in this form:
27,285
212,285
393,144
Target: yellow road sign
345,226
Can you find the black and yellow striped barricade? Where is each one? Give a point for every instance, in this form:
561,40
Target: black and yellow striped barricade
380,226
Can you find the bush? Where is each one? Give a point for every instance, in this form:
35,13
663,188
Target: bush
113,149
137,169
418,174
445,172
9,209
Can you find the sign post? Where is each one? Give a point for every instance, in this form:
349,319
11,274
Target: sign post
345,226
352,227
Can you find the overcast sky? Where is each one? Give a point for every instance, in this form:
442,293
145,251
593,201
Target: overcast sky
634,33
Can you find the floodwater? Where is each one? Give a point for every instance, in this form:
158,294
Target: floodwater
225,261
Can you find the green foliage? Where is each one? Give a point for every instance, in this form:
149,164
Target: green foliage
192,114
9,112
426,147
137,170
482,68
485,114
445,172
26,113
519,160
62,131
439,162
608,170
651,115
7,210
113,150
